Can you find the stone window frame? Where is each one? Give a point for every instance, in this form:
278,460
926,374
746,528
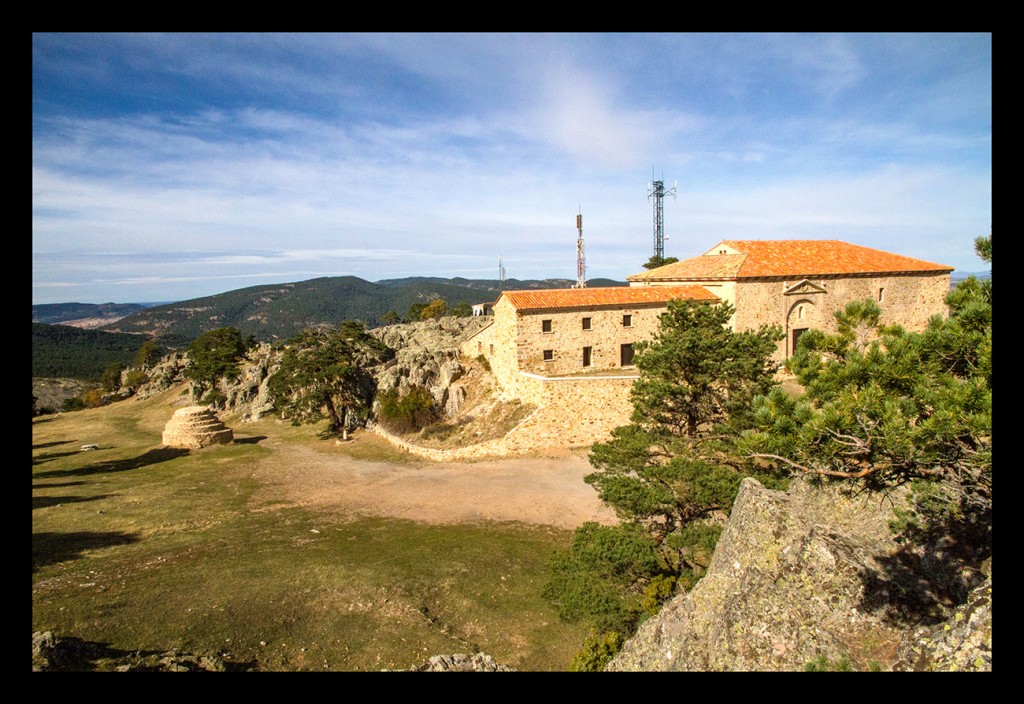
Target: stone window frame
588,356
587,324
627,320
546,326
548,355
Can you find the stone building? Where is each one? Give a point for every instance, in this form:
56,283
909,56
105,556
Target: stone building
569,351
561,332
799,284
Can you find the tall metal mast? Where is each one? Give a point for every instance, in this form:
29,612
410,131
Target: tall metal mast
581,262
658,192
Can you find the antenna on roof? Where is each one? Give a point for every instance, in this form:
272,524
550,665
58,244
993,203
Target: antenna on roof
581,262
658,192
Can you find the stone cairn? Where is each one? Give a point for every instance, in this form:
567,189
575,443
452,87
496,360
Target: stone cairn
195,426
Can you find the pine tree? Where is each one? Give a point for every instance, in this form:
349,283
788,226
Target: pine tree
323,369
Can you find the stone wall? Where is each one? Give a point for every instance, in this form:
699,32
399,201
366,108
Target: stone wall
908,299
571,412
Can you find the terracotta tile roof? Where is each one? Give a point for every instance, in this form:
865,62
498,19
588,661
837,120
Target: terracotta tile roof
792,258
537,299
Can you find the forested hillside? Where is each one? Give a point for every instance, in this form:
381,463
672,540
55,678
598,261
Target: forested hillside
63,351
279,311
267,313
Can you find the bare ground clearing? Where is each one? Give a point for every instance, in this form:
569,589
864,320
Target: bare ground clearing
543,490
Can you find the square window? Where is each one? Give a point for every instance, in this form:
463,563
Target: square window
549,355
545,326
627,321
586,323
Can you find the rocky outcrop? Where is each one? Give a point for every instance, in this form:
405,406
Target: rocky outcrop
50,394
195,427
461,662
249,395
160,377
53,654
963,643
427,354
801,576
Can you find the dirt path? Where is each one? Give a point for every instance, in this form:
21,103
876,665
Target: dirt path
545,490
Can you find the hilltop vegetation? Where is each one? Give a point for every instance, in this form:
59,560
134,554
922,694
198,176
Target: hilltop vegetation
281,311
268,313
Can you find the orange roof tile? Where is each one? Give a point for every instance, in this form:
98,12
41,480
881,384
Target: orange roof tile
792,258
537,299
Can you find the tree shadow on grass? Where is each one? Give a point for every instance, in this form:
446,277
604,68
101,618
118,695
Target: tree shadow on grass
57,485
50,444
50,548
47,501
160,454
49,456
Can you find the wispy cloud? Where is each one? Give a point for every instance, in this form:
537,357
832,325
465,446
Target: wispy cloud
212,160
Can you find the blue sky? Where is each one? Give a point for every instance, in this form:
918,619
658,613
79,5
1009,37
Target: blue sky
168,167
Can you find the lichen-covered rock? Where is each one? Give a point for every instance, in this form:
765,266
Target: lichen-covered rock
461,662
427,354
797,576
249,395
160,377
961,644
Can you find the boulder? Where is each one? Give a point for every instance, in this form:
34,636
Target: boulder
808,575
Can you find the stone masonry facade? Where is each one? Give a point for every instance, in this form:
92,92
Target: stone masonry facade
800,304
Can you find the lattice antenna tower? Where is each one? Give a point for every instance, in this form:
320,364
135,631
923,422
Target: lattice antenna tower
501,274
581,261
657,192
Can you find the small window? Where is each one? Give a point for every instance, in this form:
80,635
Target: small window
586,323
800,312
545,326
586,356
492,350
549,355
881,293
626,355
627,321
479,347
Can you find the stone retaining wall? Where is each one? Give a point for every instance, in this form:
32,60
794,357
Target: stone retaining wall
571,412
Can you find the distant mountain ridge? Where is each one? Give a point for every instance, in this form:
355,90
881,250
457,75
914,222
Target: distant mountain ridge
64,312
279,311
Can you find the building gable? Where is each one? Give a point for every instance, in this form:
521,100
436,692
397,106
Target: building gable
803,288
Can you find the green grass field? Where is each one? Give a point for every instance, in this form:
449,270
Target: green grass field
141,548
